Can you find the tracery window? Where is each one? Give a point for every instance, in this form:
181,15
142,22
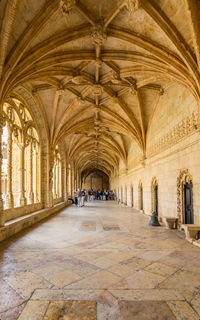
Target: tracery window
21,156
57,178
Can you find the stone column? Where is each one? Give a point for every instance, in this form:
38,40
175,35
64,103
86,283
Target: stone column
58,177
22,198
72,180
36,176
67,179
54,180
1,156
9,196
31,194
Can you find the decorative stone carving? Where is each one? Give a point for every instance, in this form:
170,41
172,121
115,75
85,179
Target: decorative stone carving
67,5
185,127
115,78
96,90
184,177
98,35
132,5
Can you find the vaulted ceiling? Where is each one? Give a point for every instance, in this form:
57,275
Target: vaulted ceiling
98,68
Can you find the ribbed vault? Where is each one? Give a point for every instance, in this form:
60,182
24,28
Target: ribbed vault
97,69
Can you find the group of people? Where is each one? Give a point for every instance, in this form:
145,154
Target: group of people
80,196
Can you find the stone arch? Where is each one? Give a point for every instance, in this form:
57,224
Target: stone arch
184,177
140,197
154,189
39,116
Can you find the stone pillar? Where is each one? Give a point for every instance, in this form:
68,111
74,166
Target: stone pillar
36,176
9,196
54,181
51,184
72,180
31,194
67,179
58,177
2,221
22,198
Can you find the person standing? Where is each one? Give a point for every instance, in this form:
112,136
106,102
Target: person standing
76,197
79,197
83,198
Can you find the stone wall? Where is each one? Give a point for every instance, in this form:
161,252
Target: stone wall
96,181
173,144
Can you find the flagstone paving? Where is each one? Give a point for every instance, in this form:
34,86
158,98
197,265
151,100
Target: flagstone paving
99,262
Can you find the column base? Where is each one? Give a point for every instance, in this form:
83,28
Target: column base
31,198
50,200
9,201
22,201
2,217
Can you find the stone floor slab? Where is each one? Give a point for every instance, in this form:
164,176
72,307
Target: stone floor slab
117,270
146,310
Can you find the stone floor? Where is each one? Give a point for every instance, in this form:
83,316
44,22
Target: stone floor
99,262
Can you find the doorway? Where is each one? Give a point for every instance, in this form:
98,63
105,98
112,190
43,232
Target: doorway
141,197
188,202
156,198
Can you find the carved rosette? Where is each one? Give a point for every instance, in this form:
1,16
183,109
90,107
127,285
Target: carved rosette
98,35
132,5
96,90
67,5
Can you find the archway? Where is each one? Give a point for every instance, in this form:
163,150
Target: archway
185,198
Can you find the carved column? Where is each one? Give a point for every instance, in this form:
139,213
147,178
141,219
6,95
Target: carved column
9,196
51,181
36,175
1,156
72,180
22,198
54,180
67,179
31,194
58,177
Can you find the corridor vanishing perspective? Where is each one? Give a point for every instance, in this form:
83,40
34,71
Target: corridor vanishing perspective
92,263
99,105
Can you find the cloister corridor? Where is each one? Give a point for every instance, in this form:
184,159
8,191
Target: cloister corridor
102,261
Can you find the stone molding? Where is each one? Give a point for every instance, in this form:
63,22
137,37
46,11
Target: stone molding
182,129
66,6
184,177
98,34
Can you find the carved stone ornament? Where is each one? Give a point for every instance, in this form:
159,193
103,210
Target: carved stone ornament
185,127
98,35
132,5
115,78
67,5
96,90
2,121
184,177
